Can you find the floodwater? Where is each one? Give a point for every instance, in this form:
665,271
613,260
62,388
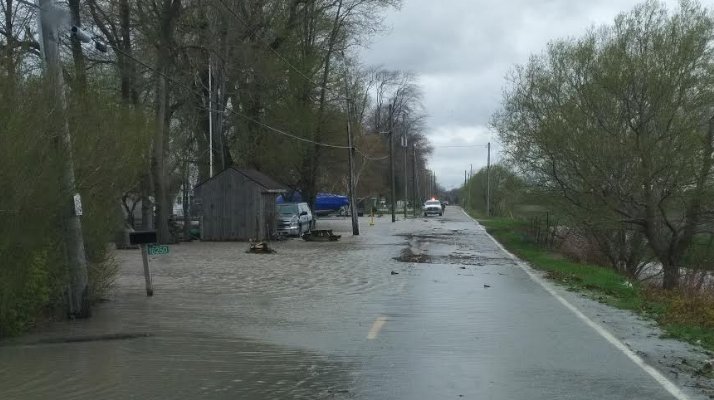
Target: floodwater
427,308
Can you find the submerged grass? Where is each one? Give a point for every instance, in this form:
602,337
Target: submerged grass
684,316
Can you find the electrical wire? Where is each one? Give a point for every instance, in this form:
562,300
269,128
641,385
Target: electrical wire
236,113
281,132
459,146
370,158
248,118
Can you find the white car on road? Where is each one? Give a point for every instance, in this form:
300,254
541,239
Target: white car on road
433,207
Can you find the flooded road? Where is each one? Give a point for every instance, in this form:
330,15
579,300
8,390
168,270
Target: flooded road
420,309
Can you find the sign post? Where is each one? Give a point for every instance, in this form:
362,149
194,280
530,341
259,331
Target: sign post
144,238
147,271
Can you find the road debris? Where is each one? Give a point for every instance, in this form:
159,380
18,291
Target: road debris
259,247
321,235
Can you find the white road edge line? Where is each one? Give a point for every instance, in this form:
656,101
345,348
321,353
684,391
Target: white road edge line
376,327
668,385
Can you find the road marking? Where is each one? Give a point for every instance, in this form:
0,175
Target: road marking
376,327
668,385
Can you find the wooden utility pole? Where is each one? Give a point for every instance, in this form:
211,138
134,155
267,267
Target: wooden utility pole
169,12
147,270
78,293
391,162
210,118
463,195
430,187
434,189
350,156
406,179
471,175
415,187
488,182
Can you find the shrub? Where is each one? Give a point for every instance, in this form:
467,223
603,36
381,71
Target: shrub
109,143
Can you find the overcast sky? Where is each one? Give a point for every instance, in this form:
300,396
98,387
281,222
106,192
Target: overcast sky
462,51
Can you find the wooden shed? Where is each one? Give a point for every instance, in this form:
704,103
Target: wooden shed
237,204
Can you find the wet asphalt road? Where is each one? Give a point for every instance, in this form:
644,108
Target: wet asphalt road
328,321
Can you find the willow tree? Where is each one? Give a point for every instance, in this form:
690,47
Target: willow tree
620,123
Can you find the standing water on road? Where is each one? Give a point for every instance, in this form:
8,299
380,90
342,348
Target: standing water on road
425,308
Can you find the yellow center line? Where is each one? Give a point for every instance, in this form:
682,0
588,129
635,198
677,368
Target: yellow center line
376,327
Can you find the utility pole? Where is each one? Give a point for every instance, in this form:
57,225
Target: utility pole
391,162
350,153
405,144
432,177
488,182
471,175
210,118
429,183
415,187
463,195
78,293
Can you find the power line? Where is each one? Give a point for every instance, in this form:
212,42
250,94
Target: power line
370,158
264,125
281,132
250,119
246,117
458,146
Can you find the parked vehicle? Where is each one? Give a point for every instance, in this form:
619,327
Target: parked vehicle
325,203
433,207
360,209
294,219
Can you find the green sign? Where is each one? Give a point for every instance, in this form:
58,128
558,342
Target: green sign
158,249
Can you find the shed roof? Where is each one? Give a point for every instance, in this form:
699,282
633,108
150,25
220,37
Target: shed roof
256,176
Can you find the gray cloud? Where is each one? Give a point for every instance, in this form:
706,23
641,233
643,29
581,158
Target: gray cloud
462,51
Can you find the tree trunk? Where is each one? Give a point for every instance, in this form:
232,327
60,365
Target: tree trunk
186,204
147,206
169,13
158,162
310,165
9,56
127,66
219,121
201,135
671,276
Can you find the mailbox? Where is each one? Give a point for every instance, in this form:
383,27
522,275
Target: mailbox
142,237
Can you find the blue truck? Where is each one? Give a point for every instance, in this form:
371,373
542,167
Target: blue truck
325,203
